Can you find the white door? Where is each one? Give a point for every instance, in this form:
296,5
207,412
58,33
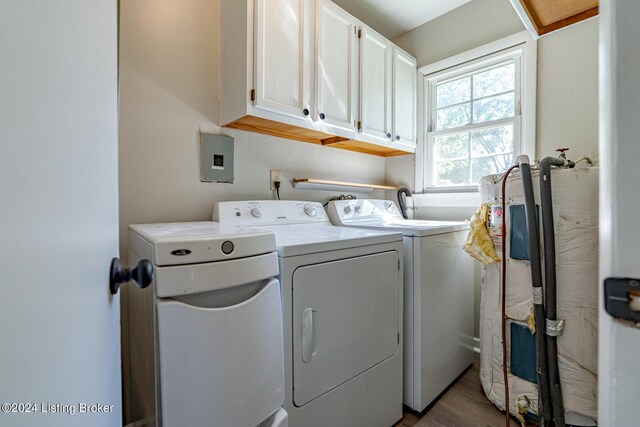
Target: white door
336,67
60,326
283,49
345,320
619,347
375,86
404,98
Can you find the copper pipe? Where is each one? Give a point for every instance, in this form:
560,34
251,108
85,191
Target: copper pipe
505,371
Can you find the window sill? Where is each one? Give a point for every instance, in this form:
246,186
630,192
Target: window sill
451,190
448,199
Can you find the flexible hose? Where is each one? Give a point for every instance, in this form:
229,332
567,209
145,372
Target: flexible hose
536,283
403,208
550,285
505,371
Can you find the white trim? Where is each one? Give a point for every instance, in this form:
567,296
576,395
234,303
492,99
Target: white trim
493,52
522,14
473,127
522,37
422,134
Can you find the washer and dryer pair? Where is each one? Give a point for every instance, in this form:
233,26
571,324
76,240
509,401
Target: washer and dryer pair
219,349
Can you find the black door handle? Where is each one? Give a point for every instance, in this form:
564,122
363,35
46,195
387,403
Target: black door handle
142,275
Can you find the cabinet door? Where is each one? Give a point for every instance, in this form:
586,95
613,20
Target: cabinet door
404,98
375,86
336,67
283,61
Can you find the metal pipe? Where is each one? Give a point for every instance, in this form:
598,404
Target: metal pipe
536,282
585,159
552,328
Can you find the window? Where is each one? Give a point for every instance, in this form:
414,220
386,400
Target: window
474,117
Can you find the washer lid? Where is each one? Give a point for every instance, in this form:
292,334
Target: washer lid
197,242
409,227
384,215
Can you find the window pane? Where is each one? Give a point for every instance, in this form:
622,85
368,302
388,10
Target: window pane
494,108
453,92
455,172
494,81
489,165
492,141
451,146
452,117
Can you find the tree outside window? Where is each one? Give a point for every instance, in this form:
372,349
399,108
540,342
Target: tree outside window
473,124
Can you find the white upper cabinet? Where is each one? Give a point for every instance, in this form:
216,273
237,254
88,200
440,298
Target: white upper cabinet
404,98
336,67
375,86
283,52
309,71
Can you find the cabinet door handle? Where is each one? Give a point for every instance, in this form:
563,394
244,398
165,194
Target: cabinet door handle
305,111
397,137
322,116
389,135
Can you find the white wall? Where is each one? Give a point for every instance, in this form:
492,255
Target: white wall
169,68
567,112
471,25
567,99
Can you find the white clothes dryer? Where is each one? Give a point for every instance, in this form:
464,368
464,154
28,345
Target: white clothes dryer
438,295
342,304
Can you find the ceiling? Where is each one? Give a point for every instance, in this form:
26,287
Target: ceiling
392,18
544,16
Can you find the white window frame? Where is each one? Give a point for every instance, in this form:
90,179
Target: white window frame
520,47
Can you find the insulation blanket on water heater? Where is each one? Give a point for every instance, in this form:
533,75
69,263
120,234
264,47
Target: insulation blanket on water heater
575,210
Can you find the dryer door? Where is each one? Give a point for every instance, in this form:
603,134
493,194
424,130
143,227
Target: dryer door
346,320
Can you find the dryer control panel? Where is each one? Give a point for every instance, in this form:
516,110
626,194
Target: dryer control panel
269,212
348,210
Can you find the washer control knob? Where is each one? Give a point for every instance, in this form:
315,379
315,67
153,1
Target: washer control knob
358,208
310,210
256,212
227,247
347,210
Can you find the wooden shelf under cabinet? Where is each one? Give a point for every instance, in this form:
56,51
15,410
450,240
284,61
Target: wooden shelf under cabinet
284,130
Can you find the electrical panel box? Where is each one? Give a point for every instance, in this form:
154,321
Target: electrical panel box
216,158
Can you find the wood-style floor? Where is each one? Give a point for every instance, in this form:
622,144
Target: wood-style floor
463,405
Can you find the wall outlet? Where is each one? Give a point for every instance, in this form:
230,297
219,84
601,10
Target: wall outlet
276,175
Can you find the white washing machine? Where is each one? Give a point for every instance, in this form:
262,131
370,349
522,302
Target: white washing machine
205,340
342,302
438,295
